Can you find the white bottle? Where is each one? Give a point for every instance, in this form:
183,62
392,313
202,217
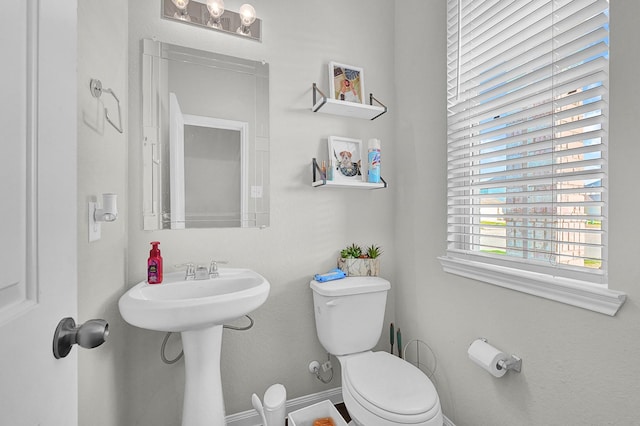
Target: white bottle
274,405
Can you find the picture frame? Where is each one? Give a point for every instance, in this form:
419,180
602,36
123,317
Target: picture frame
345,159
346,83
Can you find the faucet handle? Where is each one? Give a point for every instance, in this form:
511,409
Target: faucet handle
190,270
213,267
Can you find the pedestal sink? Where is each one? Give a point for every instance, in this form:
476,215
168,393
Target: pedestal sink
197,309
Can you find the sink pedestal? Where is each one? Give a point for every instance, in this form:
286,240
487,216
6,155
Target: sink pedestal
203,402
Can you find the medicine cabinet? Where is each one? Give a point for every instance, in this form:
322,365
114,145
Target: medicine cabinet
206,139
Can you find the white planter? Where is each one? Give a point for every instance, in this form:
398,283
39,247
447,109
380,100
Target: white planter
360,267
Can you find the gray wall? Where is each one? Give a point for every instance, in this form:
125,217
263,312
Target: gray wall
102,167
308,226
579,367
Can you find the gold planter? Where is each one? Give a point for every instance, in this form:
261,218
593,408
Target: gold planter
360,267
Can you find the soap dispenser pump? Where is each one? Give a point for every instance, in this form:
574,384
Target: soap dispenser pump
154,264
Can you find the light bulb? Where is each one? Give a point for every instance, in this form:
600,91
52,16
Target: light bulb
182,13
216,8
181,4
247,14
247,17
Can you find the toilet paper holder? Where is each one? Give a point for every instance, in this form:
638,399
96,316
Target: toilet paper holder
513,363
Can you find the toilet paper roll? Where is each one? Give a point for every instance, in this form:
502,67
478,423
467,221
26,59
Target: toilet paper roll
487,357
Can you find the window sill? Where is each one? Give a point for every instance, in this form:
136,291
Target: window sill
564,290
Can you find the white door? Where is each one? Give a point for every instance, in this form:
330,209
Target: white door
38,266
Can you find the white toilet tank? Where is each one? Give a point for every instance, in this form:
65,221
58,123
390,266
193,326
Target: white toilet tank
349,313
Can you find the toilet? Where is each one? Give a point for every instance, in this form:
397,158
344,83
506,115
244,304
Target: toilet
378,388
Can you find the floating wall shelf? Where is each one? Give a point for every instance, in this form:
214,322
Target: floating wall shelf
320,179
321,103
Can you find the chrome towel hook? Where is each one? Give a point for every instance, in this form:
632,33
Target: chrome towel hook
96,90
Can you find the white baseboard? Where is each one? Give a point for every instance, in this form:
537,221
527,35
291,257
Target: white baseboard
252,418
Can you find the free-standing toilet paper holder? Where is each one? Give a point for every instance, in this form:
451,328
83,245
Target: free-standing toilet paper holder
513,363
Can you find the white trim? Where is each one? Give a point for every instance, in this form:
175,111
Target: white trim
176,164
251,417
27,283
33,93
572,292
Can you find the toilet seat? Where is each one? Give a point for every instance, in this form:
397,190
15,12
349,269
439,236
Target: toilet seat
390,388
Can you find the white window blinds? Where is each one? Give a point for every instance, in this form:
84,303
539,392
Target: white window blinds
527,134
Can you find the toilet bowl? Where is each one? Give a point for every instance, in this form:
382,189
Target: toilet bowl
381,389
378,389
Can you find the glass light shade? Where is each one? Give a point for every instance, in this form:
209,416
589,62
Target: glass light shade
181,4
216,8
247,14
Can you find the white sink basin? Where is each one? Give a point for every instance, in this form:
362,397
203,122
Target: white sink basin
179,305
197,309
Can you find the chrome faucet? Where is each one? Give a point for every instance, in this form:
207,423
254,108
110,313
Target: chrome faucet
200,272
213,268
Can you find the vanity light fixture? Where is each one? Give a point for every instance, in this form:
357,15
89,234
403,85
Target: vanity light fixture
214,16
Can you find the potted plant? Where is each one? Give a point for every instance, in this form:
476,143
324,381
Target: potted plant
357,262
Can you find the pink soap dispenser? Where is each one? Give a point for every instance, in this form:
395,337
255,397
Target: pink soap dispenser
154,264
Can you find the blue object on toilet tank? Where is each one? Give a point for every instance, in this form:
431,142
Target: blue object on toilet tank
334,274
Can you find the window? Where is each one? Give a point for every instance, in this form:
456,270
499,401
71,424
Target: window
527,147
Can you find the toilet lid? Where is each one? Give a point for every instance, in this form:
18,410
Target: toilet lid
390,387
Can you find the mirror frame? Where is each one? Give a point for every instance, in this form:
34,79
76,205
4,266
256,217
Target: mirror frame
153,131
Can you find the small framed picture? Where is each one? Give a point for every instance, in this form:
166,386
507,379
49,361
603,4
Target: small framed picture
346,83
345,158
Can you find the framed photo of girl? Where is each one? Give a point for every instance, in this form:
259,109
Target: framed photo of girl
346,82
345,158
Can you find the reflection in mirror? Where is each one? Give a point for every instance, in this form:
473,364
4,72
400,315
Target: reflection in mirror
204,150
206,139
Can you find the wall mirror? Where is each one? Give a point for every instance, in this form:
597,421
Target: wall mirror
206,139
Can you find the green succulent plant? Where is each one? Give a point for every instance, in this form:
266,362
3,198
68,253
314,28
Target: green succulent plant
351,252
373,251
354,251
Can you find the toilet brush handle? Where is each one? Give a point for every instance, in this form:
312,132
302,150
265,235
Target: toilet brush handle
391,337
